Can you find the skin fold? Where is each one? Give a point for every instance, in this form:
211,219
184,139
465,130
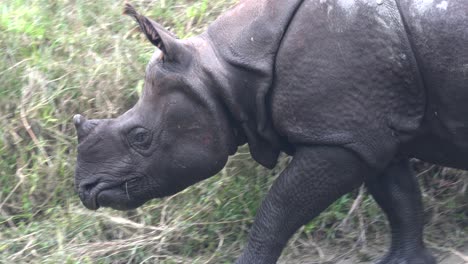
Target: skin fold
352,89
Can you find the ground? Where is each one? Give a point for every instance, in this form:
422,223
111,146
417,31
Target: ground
459,256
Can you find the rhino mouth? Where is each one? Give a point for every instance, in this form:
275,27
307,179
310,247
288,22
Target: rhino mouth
89,190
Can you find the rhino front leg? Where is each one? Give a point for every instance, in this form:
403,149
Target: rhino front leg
315,178
397,193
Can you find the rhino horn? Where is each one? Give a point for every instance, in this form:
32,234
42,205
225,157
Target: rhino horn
83,126
154,32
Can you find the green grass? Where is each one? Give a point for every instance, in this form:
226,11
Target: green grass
59,58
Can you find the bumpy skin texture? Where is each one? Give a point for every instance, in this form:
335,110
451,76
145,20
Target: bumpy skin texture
439,33
367,95
397,193
329,171
351,88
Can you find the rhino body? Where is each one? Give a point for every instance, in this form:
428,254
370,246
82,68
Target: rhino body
351,88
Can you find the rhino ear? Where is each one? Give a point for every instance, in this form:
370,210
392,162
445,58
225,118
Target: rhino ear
156,34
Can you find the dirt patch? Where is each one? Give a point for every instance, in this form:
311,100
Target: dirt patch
369,256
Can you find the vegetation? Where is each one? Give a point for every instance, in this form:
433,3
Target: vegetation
64,57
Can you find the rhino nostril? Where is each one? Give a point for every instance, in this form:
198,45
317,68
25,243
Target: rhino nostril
87,187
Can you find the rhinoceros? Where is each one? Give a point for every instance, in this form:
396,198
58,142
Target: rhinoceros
351,89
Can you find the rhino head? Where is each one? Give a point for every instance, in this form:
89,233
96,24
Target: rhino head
176,135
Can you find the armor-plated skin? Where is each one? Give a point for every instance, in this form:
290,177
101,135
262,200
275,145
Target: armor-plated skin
439,33
350,88
357,56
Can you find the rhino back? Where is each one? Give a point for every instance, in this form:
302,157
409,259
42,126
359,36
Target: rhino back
346,75
439,33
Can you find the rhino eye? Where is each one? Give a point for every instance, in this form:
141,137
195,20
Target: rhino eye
139,138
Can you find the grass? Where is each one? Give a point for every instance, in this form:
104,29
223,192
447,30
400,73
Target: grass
64,57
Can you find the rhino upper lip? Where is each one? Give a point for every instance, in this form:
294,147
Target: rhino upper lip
95,187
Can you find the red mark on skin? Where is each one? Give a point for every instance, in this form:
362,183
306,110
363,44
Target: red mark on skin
206,139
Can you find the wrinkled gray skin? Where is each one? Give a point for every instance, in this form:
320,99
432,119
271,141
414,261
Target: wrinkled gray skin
351,88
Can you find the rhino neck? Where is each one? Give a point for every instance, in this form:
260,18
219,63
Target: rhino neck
245,41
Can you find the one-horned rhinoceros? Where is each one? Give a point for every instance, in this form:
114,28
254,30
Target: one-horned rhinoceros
350,88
